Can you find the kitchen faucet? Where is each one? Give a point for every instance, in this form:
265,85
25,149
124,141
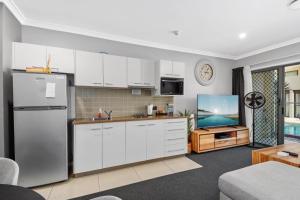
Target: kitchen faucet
108,114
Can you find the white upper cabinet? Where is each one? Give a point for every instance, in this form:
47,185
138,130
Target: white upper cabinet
89,69
135,72
166,68
115,71
62,60
171,69
141,72
28,55
179,69
31,55
148,73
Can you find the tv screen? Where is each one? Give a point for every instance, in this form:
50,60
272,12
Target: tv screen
214,111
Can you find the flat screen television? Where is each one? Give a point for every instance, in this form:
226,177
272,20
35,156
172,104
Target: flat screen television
217,110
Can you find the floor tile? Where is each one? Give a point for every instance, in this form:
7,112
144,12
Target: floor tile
152,170
44,191
181,164
75,187
117,178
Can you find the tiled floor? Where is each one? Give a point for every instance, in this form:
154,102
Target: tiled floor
81,186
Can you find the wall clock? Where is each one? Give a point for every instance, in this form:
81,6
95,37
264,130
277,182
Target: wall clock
205,72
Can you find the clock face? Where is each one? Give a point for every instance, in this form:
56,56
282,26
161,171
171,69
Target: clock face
205,72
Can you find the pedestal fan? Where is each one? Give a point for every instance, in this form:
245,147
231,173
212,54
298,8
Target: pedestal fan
254,100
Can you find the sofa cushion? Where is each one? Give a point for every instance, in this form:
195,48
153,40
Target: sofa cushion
265,181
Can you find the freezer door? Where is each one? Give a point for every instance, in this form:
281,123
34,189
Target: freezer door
29,90
41,146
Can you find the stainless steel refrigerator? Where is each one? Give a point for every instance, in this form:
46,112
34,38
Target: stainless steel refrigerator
40,128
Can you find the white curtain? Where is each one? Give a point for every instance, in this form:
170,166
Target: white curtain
248,88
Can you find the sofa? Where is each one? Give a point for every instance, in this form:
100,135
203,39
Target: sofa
265,181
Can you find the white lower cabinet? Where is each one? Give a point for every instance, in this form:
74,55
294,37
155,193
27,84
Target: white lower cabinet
136,141
87,147
113,144
98,146
155,140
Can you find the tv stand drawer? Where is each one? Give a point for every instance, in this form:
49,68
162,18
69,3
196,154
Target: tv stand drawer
207,142
225,142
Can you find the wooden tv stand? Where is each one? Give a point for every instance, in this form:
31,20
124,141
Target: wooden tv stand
211,139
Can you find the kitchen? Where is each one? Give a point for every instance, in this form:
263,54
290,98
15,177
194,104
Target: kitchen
113,105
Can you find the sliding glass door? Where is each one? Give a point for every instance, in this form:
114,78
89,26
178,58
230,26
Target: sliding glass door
269,119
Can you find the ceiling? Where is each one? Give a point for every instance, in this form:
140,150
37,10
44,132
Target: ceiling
208,27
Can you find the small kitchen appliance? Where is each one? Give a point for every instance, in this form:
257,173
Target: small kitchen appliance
150,109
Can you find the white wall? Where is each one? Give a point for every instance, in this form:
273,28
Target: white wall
11,33
222,84
284,55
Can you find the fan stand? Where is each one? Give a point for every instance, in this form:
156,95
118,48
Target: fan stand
254,144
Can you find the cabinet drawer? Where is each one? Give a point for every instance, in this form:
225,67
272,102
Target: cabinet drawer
176,149
175,140
243,137
225,142
175,135
176,123
207,142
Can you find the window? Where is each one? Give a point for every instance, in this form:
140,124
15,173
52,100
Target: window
291,73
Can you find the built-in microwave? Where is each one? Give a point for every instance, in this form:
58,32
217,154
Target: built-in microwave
171,86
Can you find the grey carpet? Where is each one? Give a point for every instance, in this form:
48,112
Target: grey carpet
198,184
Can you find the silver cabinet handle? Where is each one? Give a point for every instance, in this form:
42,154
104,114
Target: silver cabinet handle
181,138
141,125
97,83
176,122
107,128
147,83
137,83
108,84
178,129
175,150
96,129
151,124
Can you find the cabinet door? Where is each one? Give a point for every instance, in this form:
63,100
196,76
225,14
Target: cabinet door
136,141
28,55
155,140
87,148
166,68
62,60
89,69
115,71
178,69
148,73
134,72
113,144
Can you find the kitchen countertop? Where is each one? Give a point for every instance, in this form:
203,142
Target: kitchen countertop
124,119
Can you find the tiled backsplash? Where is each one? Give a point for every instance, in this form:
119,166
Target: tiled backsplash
120,101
